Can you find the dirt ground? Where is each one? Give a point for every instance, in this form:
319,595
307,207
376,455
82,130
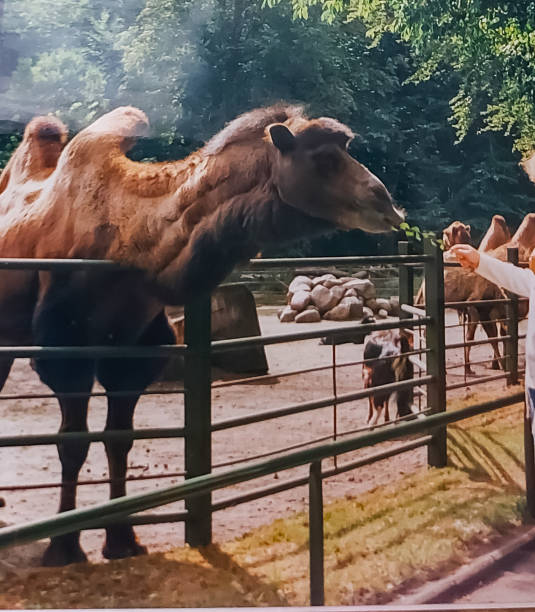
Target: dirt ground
39,464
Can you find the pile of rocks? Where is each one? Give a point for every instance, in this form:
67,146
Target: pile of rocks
334,298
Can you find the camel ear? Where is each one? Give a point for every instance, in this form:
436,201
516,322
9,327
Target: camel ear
281,137
528,165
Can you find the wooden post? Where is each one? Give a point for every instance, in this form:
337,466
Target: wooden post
511,346
315,530
197,416
436,343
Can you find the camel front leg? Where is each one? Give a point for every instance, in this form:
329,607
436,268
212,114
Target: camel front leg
121,540
131,376
472,317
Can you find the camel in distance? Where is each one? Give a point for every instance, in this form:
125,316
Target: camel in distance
179,228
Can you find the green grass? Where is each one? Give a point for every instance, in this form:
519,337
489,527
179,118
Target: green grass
376,545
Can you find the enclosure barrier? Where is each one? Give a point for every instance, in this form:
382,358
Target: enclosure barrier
116,509
198,428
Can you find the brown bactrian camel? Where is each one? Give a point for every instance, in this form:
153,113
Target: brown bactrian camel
457,232
457,281
461,282
497,234
269,176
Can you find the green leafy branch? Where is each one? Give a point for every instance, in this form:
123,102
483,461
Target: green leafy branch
420,235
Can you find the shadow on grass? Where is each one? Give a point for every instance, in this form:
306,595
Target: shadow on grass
484,461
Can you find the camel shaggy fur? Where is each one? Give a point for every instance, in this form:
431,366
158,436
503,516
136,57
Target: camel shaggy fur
178,228
497,234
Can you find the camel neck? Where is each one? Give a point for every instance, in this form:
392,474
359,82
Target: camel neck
231,236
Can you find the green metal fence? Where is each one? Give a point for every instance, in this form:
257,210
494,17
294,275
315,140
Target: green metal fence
198,427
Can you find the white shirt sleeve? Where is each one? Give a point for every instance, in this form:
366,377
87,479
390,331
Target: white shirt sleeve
506,275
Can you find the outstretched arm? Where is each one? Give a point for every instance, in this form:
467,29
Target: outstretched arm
506,275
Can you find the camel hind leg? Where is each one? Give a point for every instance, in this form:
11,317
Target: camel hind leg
491,329
129,376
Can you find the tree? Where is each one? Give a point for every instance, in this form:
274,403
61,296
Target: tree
489,45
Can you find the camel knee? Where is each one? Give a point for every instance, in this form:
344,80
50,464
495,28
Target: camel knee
72,456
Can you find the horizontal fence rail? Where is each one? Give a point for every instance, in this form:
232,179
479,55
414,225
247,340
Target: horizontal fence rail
116,509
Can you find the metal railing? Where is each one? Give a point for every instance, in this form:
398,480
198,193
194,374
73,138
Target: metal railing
198,426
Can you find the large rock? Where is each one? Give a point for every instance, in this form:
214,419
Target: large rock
338,292
350,293
319,280
297,289
381,313
331,282
384,304
355,307
300,300
234,315
364,287
395,309
298,282
287,314
372,304
310,315
323,298
367,313
341,312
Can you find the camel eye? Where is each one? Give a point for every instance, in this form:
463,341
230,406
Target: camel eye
326,162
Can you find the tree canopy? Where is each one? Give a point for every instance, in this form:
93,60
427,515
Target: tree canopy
490,46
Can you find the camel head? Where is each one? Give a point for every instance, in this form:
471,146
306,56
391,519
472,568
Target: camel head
314,173
456,233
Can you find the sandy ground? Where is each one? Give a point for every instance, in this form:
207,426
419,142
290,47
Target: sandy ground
40,464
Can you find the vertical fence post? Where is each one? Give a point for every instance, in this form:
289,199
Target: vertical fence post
197,416
511,346
315,537
436,343
406,281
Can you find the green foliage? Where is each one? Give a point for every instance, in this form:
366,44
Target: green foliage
414,232
8,143
490,45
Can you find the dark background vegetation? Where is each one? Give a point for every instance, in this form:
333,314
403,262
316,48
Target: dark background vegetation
193,65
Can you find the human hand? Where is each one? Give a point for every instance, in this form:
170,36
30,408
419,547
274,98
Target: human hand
466,255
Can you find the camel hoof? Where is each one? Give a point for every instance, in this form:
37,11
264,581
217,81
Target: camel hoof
469,372
63,552
495,366
118,551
